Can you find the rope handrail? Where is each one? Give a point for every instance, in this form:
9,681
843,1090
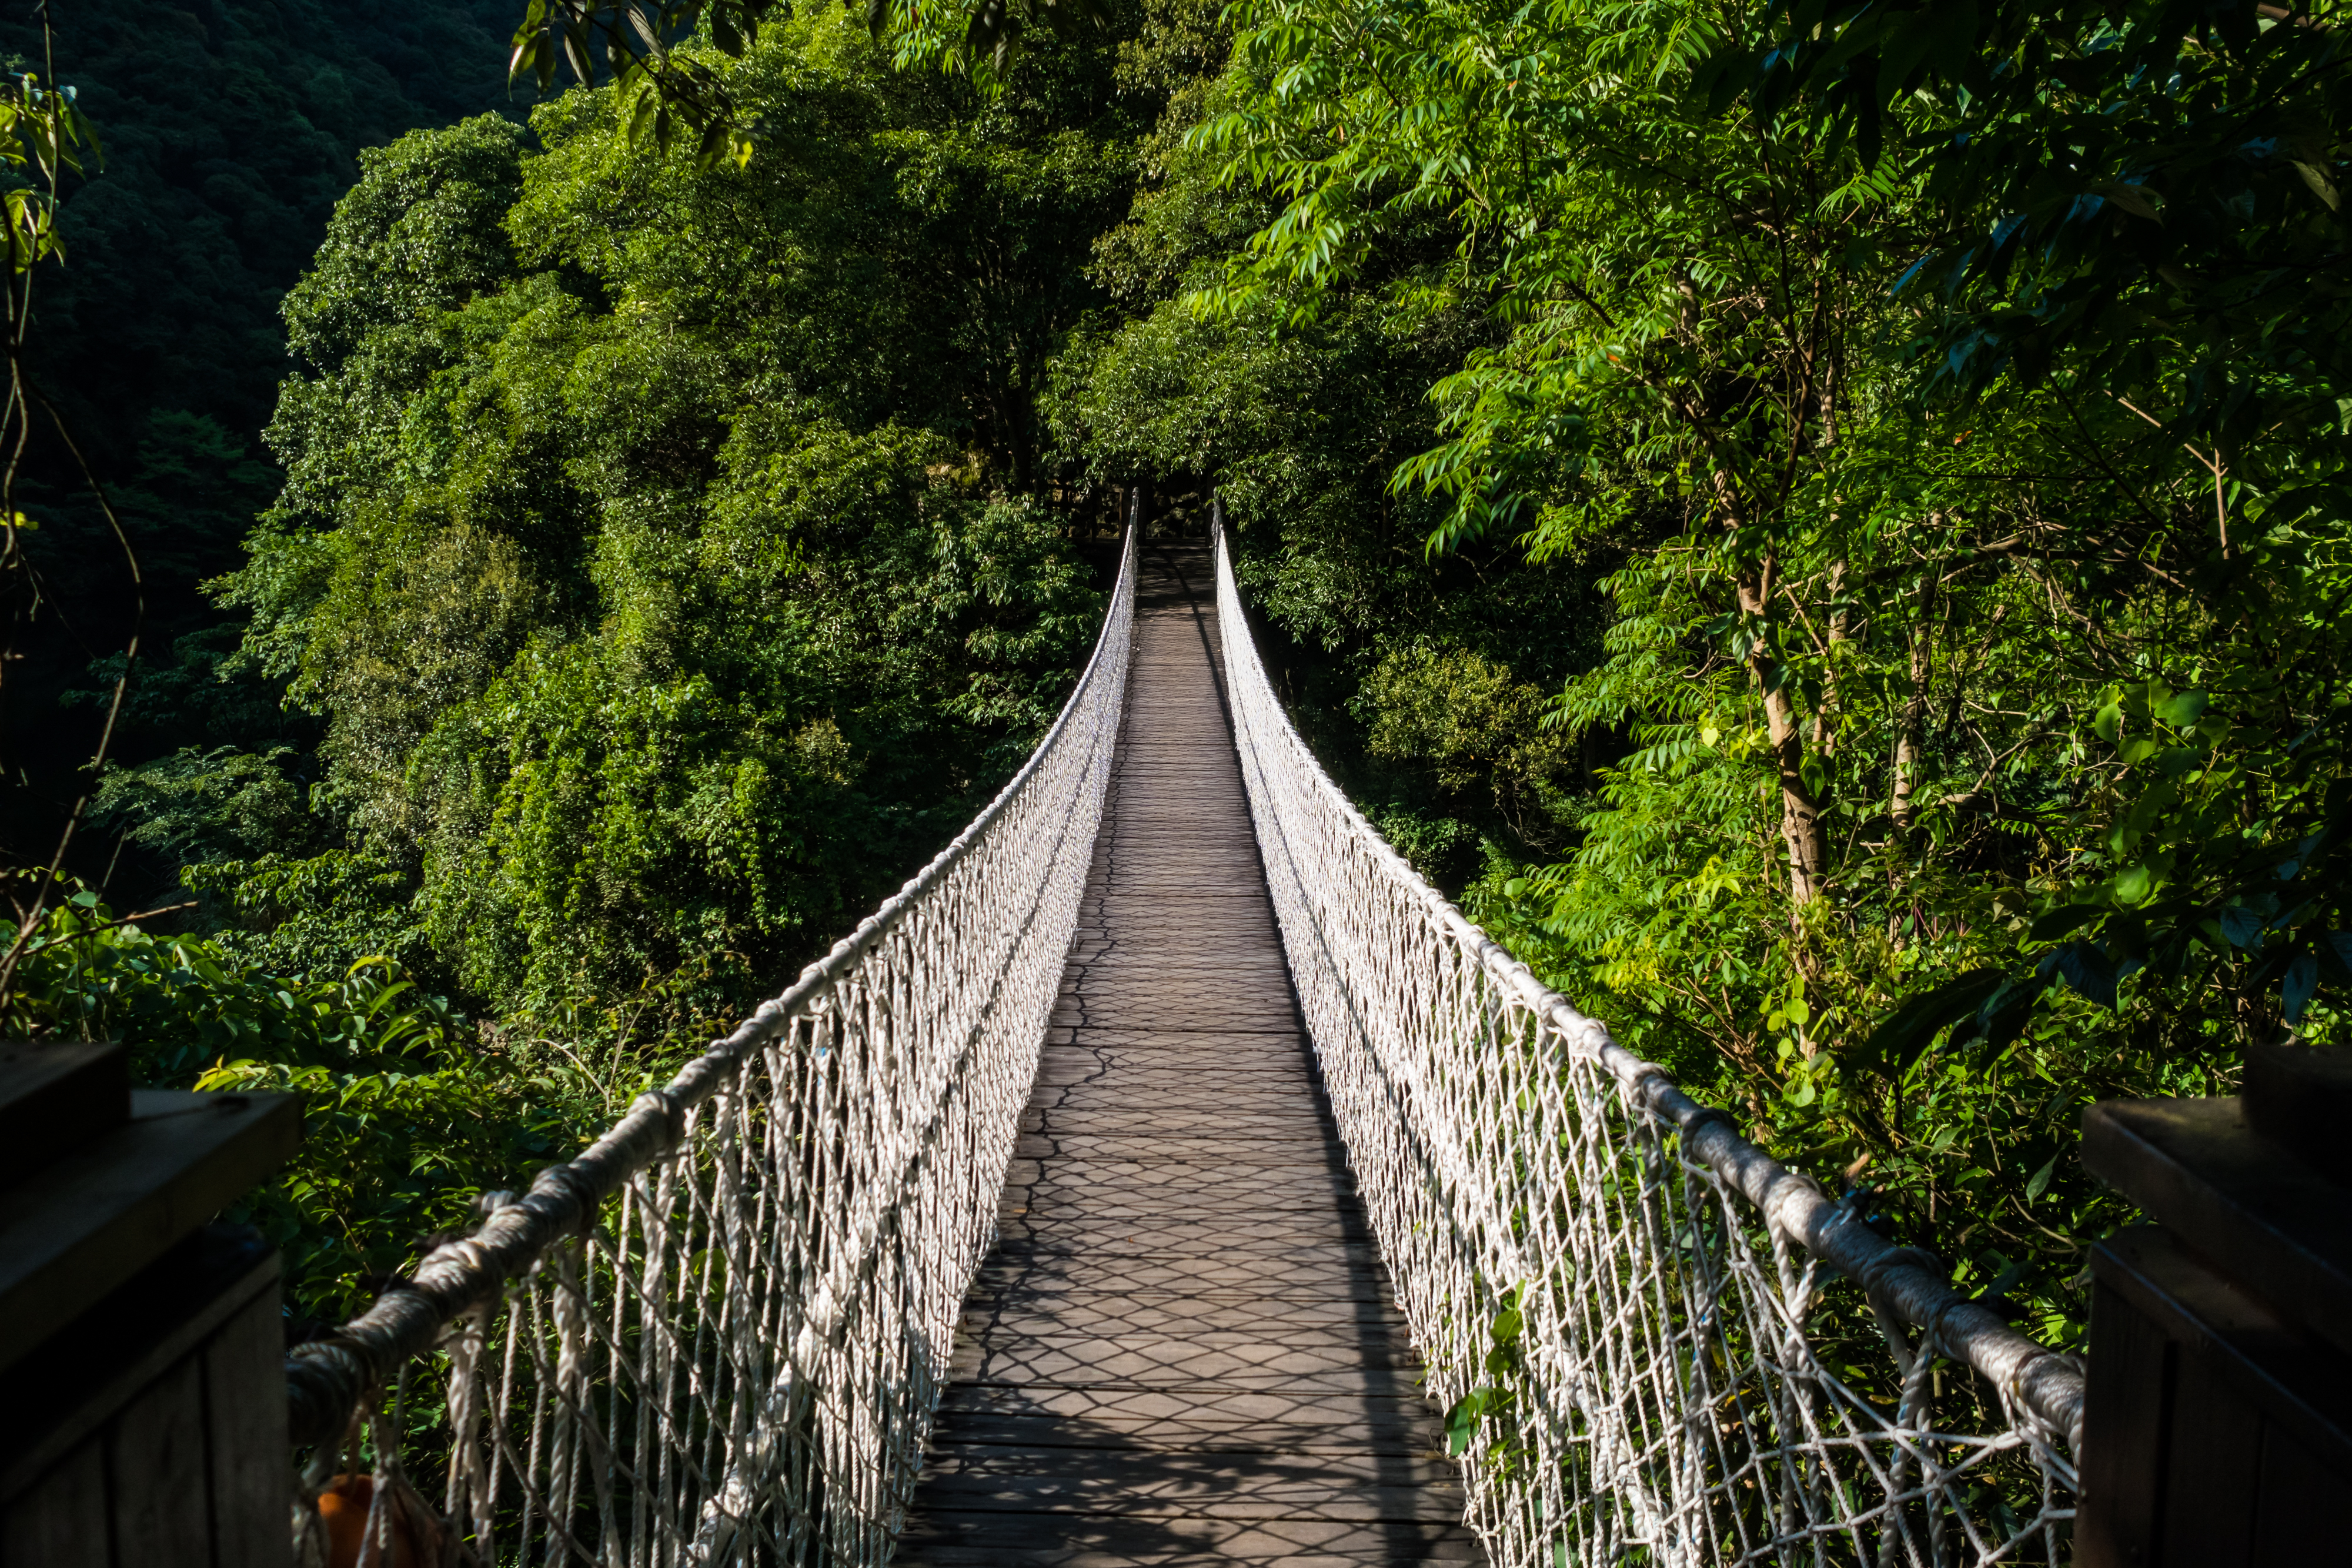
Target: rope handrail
1659,1389
841,1151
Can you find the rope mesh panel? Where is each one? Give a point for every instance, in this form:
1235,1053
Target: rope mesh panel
717,1336
1676,1377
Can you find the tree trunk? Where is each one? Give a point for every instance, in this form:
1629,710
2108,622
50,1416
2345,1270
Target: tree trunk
1903,805
1802,827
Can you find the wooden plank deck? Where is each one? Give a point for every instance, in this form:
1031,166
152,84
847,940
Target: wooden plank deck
1182,1351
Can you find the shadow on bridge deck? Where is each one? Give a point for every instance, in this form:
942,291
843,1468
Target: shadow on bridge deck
1182,1350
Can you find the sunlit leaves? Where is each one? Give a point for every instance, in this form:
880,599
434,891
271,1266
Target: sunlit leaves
43,134
672,98
2105,180
657,623
982,38
405,1117
2075,757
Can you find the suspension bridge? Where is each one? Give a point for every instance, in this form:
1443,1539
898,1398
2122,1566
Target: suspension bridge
1140,1186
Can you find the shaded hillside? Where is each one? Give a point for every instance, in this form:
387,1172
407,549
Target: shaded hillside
230,131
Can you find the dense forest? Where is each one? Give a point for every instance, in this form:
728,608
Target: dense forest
228,133
1824,527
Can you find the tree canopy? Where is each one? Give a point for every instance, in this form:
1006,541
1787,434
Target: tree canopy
1949,397
1824,523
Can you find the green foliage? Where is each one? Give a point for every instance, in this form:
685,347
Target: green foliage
658,575
1926,391
2110,194
665,59
229,136
1829,523
304,914
230,130
1477,728
406,1117
201,806
1297,429
1296,424
654,547
42,133
397,1151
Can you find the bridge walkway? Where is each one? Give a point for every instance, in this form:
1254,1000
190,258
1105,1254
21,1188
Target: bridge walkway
1182,1350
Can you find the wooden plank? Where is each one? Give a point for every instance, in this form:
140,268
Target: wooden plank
2216,1456
2304,1512
1235,1169
60,1520
1181,1349
1222,1487
1302,1200
56,1098
1170,1067
1188,1357
245,1398
966,1430
1253,1279
2263,1359
1210,1320
1173,955
1226,1162
1068,1186
2279,1228
1172,1185
1143,1208
1180,1096
84,1224
62,1397
156,1467
1146,988
1180,1090
1282,1235
1169,1073
950,1539
1066,1195
1176,1123
2125,1434
1274,1409
1130,1037
1092,1107
1267,1271
1272,1015
1236,1053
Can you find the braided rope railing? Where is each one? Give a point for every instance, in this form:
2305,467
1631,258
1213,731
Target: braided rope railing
1640,1304
719,1334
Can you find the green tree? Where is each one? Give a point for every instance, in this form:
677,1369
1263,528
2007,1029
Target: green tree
407,1117
1296,424
657,546
230,129
1974,773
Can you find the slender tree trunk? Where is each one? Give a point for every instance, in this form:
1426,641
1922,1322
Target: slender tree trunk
1903,805
1802,828
1841,627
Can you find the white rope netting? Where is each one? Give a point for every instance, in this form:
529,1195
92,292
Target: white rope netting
718,1336
1681,1352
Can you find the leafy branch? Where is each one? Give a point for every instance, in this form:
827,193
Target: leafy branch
44,136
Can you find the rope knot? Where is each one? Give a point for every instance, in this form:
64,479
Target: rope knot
661,1102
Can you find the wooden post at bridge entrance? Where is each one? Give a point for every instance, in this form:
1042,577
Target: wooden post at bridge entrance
141,1347
2218,1419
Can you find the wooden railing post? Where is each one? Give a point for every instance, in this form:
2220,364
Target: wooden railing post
2218,1419
139,1346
